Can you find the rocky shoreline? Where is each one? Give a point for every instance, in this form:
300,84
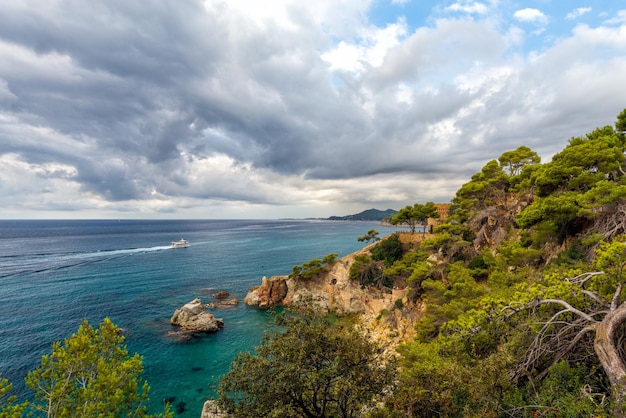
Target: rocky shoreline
331,292
385,315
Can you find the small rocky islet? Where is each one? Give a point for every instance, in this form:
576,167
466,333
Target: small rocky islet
192,318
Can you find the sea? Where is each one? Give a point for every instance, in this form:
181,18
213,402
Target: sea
55,273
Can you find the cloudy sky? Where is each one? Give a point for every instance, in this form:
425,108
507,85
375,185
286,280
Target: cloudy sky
288,108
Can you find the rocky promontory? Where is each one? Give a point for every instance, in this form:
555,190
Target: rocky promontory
332,291
384,314
193,318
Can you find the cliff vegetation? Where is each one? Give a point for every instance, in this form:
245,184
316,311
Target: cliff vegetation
517,297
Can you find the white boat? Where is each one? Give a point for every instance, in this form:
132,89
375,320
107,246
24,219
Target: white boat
183,243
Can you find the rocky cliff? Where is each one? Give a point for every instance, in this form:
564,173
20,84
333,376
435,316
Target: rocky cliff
386,315
332,291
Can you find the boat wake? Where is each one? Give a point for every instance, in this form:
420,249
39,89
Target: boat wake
131,251
43,262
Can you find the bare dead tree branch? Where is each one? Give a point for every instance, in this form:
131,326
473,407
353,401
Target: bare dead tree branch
568,308
610,220
581,279
561,335
616,297
572,344
596,298
556,338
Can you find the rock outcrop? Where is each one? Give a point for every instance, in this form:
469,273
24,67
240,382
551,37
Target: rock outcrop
386,316
193,318
332,291
272,292
212,410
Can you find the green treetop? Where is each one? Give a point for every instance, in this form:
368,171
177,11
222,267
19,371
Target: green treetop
415,215
312,369
90,374
372,235
514,161
8,407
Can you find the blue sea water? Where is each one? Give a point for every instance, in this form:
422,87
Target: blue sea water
54,274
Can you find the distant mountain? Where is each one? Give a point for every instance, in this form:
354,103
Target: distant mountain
366,215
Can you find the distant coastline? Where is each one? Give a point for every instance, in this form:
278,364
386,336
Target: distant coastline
369,215
366,215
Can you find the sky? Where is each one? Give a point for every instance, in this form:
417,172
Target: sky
287,108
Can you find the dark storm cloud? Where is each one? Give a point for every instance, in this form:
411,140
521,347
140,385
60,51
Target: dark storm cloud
138,95
125,61
154,100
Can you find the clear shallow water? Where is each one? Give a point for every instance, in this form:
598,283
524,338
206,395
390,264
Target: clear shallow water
55,273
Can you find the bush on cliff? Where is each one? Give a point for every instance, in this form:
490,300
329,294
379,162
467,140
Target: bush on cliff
311,369
366,271
313,267
388,250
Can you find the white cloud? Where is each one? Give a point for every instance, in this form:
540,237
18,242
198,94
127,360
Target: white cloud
337,18
439,52
370,51
404,94
619,19
578,12
530,15
477,8
27,185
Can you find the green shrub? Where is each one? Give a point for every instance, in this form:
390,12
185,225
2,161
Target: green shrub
313,267
388,250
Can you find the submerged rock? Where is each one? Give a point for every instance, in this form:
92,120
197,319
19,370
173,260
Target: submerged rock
180,335
223,303
192,317
229,302
181,407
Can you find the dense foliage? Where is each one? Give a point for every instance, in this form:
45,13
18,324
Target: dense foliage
522,288
311,369
370,270
415,215
313,267
90,374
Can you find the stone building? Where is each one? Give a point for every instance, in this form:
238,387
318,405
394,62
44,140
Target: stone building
443,209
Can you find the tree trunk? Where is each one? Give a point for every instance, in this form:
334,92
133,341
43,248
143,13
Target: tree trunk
609,357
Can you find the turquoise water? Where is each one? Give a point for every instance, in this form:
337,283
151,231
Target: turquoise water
53,274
